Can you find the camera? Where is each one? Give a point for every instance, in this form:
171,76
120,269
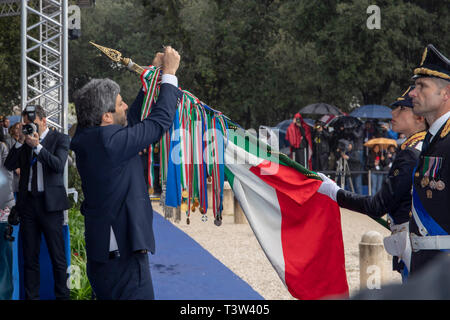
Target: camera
8,233
30,128
343,145
13,218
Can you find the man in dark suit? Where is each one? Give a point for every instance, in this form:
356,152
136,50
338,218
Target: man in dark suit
117,209
41,157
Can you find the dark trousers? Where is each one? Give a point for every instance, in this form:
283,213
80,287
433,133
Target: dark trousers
35,221
301,156
123,278
320,161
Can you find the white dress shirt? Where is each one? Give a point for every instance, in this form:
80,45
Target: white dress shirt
40,175
169,78
434,128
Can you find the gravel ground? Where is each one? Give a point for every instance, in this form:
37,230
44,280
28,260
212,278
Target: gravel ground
236,247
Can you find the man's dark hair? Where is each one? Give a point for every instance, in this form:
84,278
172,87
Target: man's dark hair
40,112
94,99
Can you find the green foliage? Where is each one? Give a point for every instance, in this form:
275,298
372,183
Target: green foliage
257,61
9,64
74,181
78,255
77,242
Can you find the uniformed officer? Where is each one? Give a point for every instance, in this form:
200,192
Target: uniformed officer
394,197
430,226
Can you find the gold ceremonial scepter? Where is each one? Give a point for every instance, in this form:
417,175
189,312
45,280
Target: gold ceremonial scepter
116,56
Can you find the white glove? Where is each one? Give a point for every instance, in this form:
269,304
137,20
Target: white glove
399,244
328,186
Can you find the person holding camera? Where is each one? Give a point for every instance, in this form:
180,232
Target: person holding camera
299,136
117,210
41,155
321,150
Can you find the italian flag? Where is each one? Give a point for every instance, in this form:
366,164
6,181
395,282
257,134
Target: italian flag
297,226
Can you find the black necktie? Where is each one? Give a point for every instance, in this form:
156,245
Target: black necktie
34,188
426,142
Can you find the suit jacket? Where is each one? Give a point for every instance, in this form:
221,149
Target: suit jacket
113,182
53,156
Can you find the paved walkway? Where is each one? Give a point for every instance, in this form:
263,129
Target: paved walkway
182,270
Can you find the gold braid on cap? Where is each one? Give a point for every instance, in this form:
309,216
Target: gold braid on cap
424,55
431,73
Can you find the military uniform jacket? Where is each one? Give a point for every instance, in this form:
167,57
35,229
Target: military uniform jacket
435,202
394,197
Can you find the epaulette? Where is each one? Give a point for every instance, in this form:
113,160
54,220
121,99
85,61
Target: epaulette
413,140
446,129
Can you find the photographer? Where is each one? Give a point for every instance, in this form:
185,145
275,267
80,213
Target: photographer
41,155
321,150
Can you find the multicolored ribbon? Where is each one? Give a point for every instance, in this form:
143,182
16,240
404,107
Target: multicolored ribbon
201,132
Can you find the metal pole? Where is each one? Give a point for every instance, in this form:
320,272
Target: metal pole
65,66
23,60
65,92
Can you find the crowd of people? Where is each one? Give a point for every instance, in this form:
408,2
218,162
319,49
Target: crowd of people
325,145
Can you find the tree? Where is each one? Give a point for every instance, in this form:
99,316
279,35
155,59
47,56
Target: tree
9,63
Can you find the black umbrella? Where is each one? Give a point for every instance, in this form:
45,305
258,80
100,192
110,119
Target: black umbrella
347,122
320,108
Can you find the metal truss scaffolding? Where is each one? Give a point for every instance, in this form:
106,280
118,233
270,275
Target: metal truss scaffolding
44,43
9,8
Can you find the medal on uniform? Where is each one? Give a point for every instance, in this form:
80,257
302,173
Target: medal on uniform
432,172
440,185
433,184
424,182
429,194
426,173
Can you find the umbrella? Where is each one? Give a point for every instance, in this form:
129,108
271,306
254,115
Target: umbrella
320,108
384,143
13,119
326,118
309,122
283,125
374,111
348,122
